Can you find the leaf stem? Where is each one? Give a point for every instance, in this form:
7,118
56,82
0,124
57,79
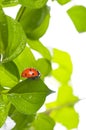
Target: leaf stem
20,13
48,111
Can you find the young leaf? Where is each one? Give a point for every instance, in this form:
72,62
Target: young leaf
78,15
32,3
38,46
4,108
9,75
43,122
47,66
62,2
3,32
25,60
29,95
36,24
63,72
62,109
16,40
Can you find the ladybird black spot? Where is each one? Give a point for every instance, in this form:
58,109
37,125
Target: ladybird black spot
30,69
32,73
25,74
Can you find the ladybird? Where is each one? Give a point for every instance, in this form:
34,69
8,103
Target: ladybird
30,73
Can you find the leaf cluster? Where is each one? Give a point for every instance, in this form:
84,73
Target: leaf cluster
21,98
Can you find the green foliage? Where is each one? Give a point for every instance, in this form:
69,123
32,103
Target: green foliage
62,110
25,60
9,75
16,43
66,116
33,3
47,66
11,42
4,108
3,32
63,72
38,46
62,2
27,3
22,121
34,29
28,95
42,122
8,3
78,15
22,98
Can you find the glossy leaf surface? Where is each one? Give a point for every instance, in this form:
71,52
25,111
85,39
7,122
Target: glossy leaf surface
8,3
4,108
3,32
39,47
29,95
33,3
44,71
36,24
25,60
27,3
22,120
9,75
16,43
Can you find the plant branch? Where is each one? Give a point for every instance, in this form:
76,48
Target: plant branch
48,111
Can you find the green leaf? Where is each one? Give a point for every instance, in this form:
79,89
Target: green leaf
63,72
33,3
27,103
34,29
62,58
62,2
38,46
43,122
62,110
27,3
29,95
65,95
16,40
25,60
78,15
3,32
47,67
8,3
66,116
9,75
22,121
4,108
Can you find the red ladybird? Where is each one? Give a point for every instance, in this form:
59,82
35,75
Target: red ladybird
30,73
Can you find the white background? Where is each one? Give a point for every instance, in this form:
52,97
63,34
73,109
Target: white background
63,35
